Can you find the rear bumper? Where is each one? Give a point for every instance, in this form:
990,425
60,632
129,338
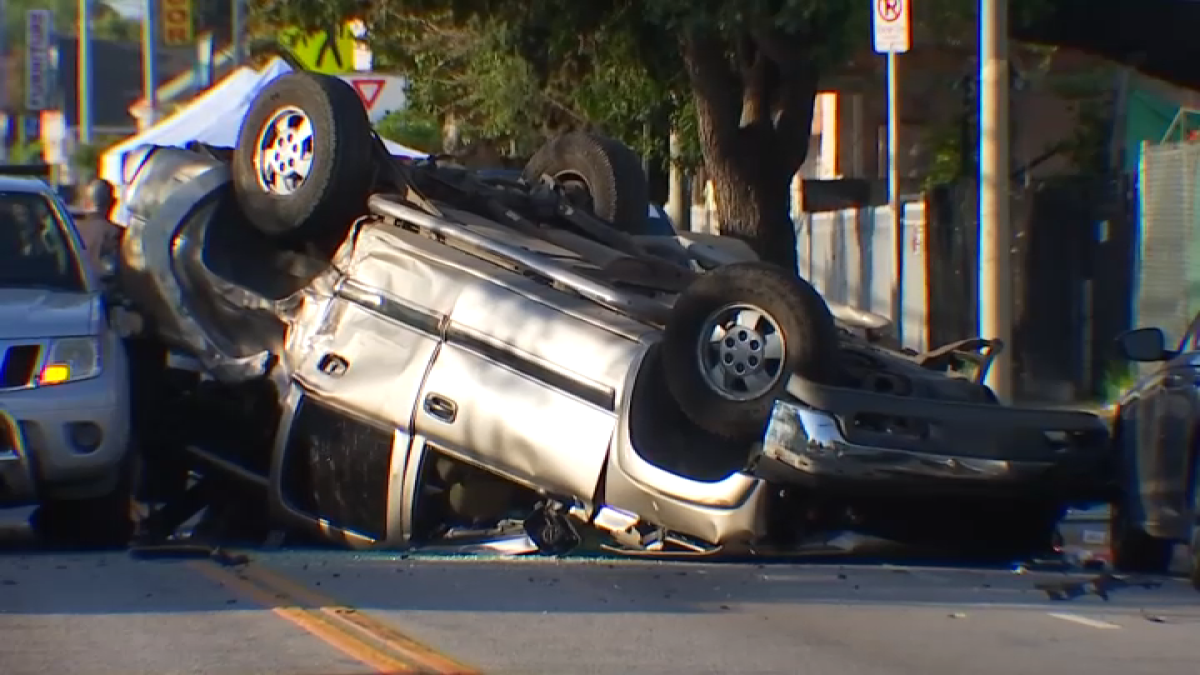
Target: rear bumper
806,446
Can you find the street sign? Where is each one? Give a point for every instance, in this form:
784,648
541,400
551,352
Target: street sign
176,22
33,126
892,21
368,89
381,94
39,27
329,51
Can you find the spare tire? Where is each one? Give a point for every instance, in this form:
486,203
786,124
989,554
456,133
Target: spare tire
735,336
599,174
302,167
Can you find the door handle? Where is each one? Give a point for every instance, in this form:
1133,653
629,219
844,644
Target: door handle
333,365
441,407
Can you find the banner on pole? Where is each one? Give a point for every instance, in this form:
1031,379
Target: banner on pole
176,29
39,27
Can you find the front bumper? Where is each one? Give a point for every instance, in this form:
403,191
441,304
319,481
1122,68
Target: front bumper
16,471
804,445
40,433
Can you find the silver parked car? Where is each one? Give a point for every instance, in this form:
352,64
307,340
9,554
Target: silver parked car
64,389
401,351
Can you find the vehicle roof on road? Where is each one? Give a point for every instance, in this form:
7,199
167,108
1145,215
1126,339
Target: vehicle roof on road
24,184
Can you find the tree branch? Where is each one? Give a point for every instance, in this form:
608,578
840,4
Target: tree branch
793,119
796,76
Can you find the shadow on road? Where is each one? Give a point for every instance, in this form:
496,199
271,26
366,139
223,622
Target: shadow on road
34,580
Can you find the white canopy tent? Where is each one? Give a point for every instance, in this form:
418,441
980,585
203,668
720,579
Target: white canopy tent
214,117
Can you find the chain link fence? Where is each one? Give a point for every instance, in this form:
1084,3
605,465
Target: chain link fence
1168,262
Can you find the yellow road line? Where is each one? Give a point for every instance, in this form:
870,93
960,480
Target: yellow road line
428,658
359,636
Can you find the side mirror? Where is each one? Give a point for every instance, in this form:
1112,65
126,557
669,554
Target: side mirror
1143,344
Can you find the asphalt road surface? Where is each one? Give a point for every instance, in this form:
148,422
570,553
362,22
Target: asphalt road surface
325,613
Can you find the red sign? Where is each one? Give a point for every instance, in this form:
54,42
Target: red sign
890,10
368,90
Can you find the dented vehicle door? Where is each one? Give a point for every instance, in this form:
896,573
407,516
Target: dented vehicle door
528,380
357,377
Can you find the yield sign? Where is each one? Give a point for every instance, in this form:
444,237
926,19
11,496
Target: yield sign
368,90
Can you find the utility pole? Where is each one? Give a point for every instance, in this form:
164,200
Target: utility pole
149,57
4,116
239,32
84,67
995,229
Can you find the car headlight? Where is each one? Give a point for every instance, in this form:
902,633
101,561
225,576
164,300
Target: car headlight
71,360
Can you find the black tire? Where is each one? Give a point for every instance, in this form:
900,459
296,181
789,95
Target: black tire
103,522
1020,534
809,337
1194,559
1134,550
339,180
603,170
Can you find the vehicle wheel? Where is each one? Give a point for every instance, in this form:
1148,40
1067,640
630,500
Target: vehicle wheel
1133,550
598,174
734,337
303,165
1194,558
1021,533
100,522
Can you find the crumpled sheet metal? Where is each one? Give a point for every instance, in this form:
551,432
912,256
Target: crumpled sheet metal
151,249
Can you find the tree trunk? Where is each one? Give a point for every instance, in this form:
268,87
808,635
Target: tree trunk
754,202
451,134
755,118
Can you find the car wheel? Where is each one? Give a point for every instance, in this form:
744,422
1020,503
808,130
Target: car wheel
1194,544
100,522
1134,550
733,339
1194,558
302,167
598,174
1023,533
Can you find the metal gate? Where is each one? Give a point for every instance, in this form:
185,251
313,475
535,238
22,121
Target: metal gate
1168,261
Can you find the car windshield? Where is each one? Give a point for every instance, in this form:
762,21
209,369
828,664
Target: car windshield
35,247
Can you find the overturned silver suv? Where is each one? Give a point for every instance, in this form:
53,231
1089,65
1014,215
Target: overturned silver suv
402,352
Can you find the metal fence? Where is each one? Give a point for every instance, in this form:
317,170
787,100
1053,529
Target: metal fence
1168,262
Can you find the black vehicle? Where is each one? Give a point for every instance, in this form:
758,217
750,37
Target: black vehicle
1156,425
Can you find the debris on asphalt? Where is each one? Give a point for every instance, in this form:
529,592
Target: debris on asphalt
188,551
957,615
1099,586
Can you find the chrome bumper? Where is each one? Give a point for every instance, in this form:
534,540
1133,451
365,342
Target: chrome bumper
806,445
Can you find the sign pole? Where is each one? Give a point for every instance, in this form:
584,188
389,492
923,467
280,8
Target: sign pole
892,24
995,230
894,205
85,72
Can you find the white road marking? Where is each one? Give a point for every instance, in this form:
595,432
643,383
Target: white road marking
1083,620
